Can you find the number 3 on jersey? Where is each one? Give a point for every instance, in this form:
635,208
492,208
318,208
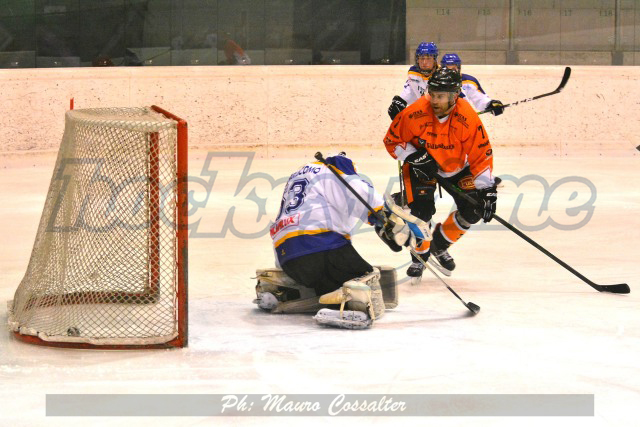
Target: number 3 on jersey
294,195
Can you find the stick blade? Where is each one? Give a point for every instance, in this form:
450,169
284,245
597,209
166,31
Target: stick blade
473,308
620,288
565,79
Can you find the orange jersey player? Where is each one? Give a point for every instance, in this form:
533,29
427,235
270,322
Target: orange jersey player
442,134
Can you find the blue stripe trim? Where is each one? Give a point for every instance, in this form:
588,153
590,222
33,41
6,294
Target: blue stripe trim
309,244
472,79
416,231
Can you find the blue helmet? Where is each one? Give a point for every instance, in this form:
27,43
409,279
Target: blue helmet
451,59
427,49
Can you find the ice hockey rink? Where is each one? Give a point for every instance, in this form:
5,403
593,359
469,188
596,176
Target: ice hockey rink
540,330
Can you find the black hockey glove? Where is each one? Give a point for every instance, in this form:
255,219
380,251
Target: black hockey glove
423,162
496,107
487,198
385,232
397,104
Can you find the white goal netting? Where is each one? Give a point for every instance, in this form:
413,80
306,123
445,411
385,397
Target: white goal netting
103,269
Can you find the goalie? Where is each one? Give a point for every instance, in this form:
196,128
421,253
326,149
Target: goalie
320,269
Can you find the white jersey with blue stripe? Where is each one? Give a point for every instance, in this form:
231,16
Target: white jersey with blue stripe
415,86
318,212
472,91
474,94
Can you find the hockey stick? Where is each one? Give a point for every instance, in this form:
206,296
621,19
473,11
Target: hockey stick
471,306
402,201
563,83
621,288
475,309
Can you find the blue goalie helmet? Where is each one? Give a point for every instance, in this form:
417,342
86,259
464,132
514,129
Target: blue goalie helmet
451,59
427,49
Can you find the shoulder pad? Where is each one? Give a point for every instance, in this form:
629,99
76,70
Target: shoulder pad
468,79
416,72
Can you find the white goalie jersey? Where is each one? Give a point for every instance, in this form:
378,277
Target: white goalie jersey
318,212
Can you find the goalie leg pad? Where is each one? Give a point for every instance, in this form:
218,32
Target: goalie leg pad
279,293
389,285
307,305
276,281
362,295
348,319
377,299
275,276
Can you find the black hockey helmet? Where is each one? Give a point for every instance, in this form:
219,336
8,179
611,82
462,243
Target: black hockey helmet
445,80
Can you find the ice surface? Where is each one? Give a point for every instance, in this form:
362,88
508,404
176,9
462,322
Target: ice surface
540,330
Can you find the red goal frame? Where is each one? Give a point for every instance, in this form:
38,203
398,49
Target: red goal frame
182,249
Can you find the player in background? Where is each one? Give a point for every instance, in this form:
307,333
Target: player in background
233,53
471,89
418,76
312,242
442,134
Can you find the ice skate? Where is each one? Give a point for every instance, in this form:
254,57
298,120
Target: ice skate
440,257
443,261
415,272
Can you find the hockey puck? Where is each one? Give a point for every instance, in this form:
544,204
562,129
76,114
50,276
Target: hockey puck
73,332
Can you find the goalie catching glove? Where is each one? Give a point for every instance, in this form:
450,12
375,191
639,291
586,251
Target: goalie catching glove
401,228
390,233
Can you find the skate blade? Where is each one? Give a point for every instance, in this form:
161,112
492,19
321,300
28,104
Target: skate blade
416,280
440,268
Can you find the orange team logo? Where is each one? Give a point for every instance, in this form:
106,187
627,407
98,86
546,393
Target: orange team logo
466,183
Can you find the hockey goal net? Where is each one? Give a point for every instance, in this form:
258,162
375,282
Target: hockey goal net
108,267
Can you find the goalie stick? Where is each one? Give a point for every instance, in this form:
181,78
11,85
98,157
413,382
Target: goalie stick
473,308
563,83
620,288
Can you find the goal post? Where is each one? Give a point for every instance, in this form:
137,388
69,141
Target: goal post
109,263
